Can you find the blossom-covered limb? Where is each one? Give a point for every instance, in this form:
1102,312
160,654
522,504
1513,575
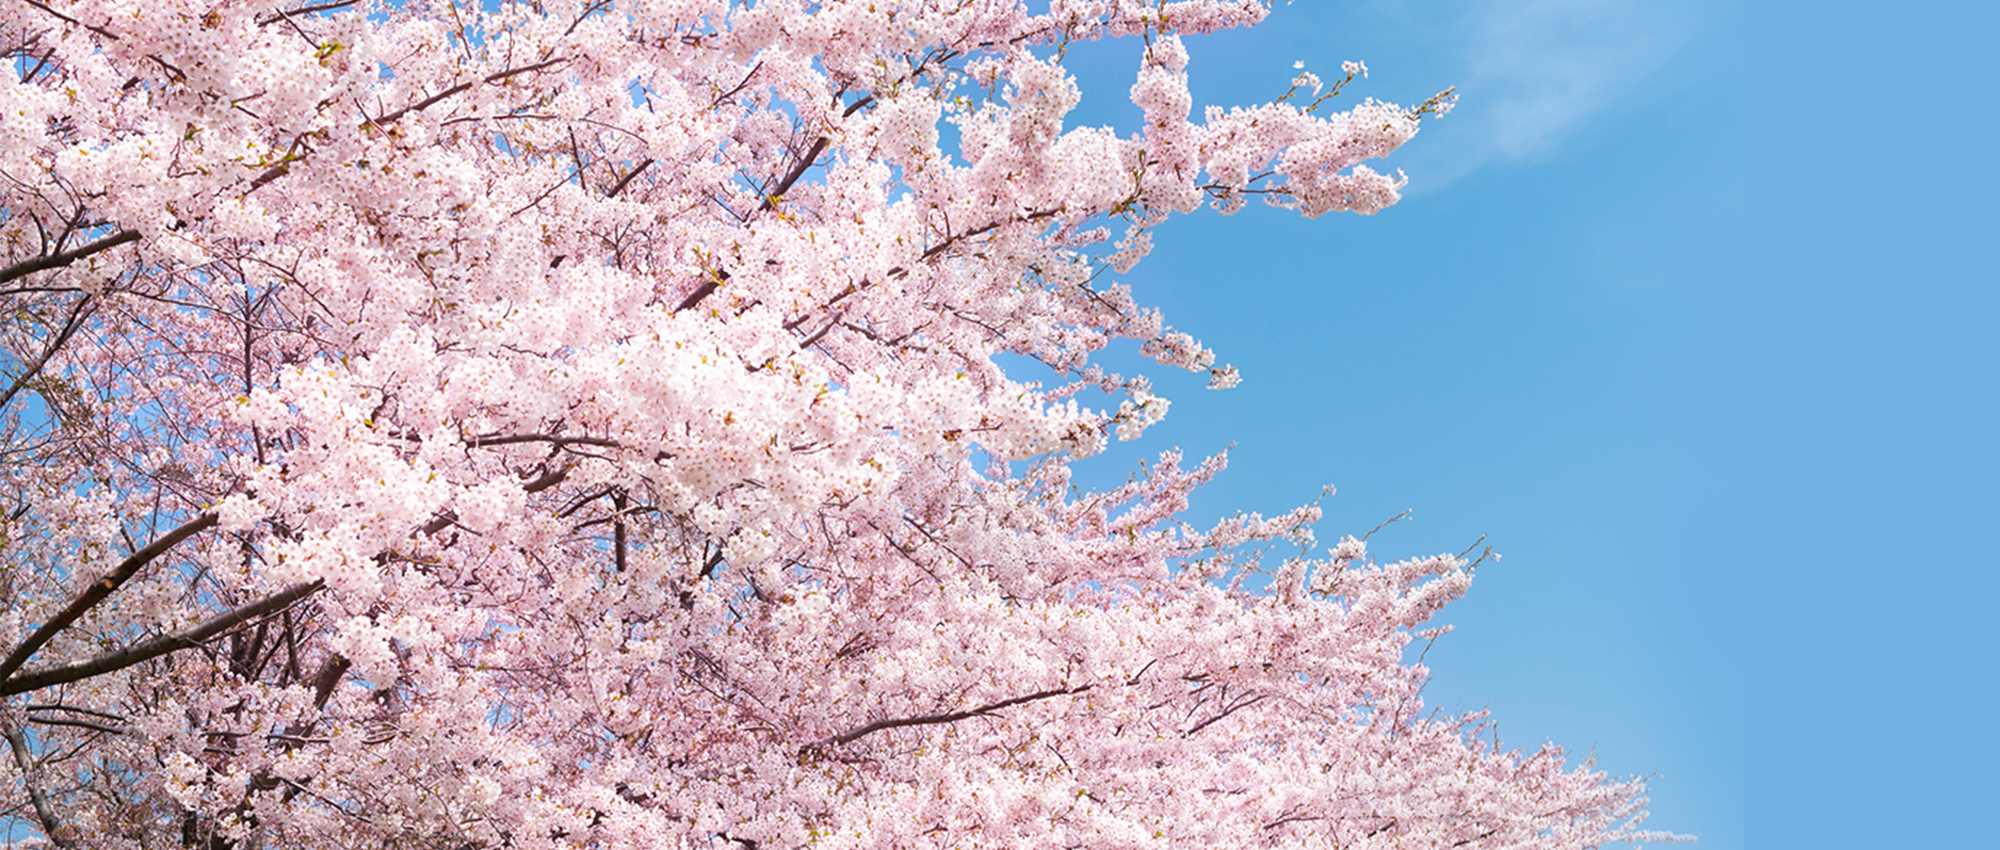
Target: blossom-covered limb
36,678
63,258
98,590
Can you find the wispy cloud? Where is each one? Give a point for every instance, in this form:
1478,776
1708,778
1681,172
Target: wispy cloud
1536,71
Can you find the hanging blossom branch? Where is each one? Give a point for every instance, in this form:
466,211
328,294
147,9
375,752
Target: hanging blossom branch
11,683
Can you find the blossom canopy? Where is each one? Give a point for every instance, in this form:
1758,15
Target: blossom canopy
582,424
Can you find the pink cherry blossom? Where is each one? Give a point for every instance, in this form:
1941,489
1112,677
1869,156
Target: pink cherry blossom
581,424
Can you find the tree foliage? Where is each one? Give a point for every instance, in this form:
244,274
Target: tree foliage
577,424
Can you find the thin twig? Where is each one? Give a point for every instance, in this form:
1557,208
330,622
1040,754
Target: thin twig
1385,524
305,10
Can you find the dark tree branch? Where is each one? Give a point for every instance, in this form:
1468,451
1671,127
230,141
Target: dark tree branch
120,659
64,258
109,35
618,528
715,281
1480,837
707,288
73,709
98,591
324,681
707,569
558,439
798,171
283,168
61,338
853,735
305,10
438,523
496,77
821,333
92,725
547,479
627,179
1231,709
739,86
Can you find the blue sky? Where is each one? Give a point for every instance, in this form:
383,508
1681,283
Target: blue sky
1686,308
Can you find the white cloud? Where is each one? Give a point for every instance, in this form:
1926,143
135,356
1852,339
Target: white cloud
1535,71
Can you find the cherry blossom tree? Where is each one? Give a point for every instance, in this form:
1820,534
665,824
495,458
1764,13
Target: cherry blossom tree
576,423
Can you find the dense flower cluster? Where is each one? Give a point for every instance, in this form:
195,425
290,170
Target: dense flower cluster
576,423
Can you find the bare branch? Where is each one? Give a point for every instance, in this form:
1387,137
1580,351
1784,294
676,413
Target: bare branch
1394,519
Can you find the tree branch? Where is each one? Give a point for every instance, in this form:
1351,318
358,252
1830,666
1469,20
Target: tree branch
498,76
715,281
120,659
92,725
1232,708
622,181
108,35
61,338
99,590
52,828
707,288
558,439
305,10
798,171
853,735
64,258
330,671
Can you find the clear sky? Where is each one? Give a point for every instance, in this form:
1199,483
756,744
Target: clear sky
1689,307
